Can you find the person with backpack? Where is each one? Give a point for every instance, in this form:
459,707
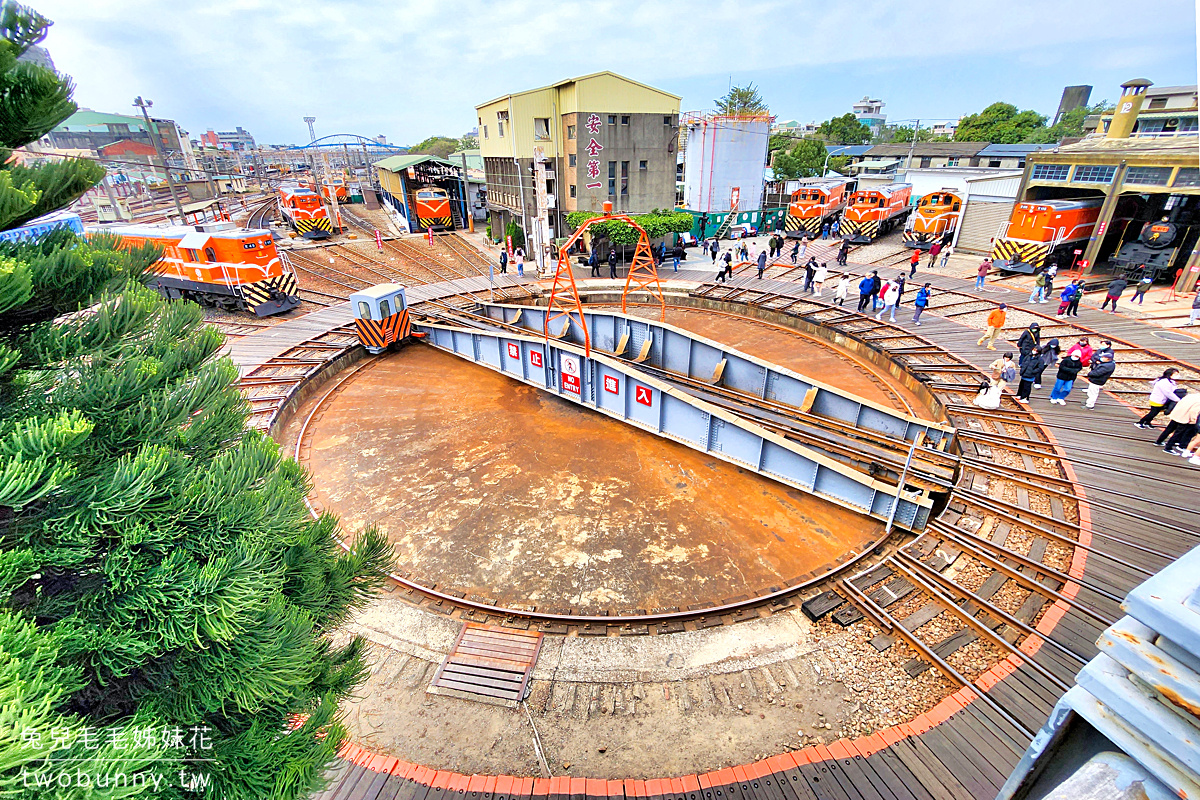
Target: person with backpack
1164,393
1073,306
676,254
594,262
728,259
1049,358
1031,337
1097,376
876,288
503,262
1064,300
949,251
1068,371
1139,291
920,303
890,294
713,247
810,271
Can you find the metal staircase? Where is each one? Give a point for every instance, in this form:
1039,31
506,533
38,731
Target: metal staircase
722,231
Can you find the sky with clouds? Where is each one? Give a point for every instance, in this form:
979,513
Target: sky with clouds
414,68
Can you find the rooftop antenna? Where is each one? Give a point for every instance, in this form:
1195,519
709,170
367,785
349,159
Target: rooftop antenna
312,134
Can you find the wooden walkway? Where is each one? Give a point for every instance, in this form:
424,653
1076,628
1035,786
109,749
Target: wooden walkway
1135,510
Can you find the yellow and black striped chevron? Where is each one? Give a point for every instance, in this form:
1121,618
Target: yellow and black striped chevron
912,238
320,223
868,228
1016,251
258,293
377,335
430,222
813,224
792,223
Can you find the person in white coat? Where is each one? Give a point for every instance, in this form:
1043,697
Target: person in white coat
819,277
890,294
843,289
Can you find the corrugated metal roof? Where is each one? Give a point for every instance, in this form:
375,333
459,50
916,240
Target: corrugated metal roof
847,149
397,163
1013,149
928,149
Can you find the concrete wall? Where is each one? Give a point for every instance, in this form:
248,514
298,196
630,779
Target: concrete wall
645,138
723,153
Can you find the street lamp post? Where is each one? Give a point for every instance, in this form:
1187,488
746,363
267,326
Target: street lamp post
152,129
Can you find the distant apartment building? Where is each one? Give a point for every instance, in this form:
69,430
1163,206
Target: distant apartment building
91,130
1165,111
573,145
870,113
228,140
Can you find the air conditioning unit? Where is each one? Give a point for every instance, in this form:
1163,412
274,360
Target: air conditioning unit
550,201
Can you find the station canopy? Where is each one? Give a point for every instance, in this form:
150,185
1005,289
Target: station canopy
424,166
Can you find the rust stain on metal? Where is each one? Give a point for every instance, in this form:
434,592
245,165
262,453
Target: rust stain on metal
490,487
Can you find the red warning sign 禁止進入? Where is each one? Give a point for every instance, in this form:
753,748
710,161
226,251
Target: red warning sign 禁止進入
642,395
535,358
513,350
611,385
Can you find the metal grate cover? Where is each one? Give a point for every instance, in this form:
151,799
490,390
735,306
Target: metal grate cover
488,664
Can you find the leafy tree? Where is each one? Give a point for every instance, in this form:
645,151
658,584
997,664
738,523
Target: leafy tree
467,142
742,101
777,142
1071,124
656,224
440,146
518,235
159,574
804,160
999,123
903,134
845,129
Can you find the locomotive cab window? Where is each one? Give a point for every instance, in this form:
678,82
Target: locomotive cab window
364,309
210,254
385,310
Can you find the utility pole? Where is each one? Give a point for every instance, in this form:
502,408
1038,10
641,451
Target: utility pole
912,145
152,129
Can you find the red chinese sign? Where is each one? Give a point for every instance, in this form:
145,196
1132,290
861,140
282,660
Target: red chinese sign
513,350
642,395
610,384
593,148
535,358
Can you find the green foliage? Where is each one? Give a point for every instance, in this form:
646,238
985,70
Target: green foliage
440,146
1071,124
468,142
742,101
804,160
656,224
999,123
845,129
777,142
518,235
159,570
903,134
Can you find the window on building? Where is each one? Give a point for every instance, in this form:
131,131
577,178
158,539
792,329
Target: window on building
612,119
1020,163
624,177
624,119
210,254
500,128
1093,173
1050,172
995,162
1148,176
570,131
642,165
926,161
549,186
1187,176
485,131
541,129
572,190
952,161
974,162
572,160
666,119
612,177
1158,102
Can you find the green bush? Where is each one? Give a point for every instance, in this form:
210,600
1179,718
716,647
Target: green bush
518,235
656,224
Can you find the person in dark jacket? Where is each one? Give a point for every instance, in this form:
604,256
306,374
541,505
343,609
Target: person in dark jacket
728,259
612,263
503,261
810,271
1048,356
762,263
875,289
1114,293
1102,369
1073,306
1031,337
1068,371
594,262
900,284
1105,347
866,290
843,251
676,254
795,251
1031,368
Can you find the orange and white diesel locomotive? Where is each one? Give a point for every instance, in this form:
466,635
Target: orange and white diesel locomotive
237,269
933,220
814,204
1043,230
305,212
875,211
433,208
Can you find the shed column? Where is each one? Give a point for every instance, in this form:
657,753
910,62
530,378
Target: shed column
1106,213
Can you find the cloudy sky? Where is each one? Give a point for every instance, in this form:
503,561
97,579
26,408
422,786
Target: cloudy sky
414,68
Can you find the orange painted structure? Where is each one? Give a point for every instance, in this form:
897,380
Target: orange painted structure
814,204
237,269
875,211
1041,231
934,220
305,212
381,316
